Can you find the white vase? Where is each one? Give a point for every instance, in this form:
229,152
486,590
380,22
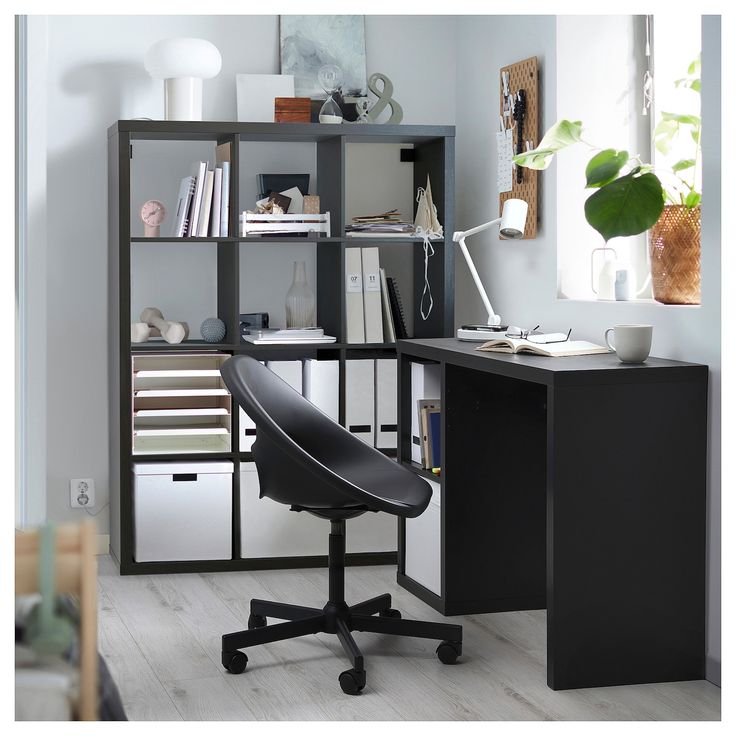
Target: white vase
300,299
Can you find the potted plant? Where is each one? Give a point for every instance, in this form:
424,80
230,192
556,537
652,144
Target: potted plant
630,198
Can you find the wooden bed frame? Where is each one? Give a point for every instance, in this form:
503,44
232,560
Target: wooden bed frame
76,573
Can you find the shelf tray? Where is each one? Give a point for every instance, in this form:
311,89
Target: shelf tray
180,431
154,393
193,412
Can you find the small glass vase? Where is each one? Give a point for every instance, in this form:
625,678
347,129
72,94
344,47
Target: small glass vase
300,299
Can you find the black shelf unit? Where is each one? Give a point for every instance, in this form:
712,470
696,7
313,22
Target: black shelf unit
434,154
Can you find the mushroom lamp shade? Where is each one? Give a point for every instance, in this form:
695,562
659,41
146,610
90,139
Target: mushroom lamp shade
183,63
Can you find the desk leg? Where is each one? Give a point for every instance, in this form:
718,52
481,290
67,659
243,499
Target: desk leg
626,533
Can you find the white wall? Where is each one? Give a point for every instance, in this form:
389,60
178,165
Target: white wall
521,275
605,93
96,76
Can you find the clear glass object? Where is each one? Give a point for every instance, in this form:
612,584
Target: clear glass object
330,78
300,299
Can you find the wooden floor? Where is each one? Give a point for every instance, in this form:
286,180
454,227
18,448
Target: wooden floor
160,636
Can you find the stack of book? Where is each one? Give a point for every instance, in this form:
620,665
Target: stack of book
386,223
203,206
287,336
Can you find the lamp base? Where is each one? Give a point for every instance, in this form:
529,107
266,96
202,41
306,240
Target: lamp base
183,98
480,333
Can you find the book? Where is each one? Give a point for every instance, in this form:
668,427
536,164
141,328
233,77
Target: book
216,204
397,309
290,341
199,173
183,205
425,407
389,333
285,333
435,435
560,349
222,159
354,322
372,295
204,212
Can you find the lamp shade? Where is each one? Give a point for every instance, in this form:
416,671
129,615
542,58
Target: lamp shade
513,218
175,58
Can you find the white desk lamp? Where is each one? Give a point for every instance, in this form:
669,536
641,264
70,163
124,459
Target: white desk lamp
512,222
183,63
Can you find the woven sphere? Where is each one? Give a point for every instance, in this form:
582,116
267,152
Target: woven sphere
213,329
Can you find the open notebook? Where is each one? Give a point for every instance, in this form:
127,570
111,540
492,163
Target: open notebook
550,349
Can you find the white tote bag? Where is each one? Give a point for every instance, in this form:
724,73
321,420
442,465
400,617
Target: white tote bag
426,225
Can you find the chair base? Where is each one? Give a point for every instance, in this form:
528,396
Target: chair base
336,618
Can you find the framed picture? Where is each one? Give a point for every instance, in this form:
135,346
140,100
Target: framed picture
308,42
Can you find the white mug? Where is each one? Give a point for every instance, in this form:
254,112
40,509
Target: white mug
632,342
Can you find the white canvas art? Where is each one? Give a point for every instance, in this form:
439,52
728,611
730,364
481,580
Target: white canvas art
308,42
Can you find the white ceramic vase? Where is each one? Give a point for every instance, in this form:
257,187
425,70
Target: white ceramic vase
300,299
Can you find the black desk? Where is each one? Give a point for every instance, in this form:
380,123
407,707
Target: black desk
575,484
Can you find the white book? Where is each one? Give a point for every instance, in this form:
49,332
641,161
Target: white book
204,211
355,327
222,159
183,204
225,208
200,172
216,204
372,295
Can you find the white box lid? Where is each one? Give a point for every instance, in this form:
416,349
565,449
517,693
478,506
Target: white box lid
173,467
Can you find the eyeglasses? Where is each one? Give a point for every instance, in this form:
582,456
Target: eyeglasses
540,339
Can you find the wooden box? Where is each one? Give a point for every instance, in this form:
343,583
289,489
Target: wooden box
292,110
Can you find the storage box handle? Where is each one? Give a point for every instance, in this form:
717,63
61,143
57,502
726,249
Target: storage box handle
179,477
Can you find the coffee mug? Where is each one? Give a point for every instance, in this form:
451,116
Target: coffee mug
632,342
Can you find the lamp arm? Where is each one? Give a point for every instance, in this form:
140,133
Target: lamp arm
467,233
493,318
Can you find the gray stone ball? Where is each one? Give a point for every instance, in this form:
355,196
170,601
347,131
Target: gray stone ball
213,330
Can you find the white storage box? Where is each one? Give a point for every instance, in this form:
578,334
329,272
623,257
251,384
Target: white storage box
271,529
182,511
422,545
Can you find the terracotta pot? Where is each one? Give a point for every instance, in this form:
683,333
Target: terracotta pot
674,252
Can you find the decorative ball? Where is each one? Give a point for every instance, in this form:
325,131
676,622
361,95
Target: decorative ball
213,330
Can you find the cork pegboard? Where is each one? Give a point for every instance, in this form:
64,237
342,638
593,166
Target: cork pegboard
523,75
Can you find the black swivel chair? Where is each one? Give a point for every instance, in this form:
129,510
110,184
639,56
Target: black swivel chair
309,462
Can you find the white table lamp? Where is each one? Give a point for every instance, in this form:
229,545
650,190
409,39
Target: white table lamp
512,222
183,63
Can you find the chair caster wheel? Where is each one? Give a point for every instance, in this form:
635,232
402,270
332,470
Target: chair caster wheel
256,622
234,662
390,613
449,651
352,682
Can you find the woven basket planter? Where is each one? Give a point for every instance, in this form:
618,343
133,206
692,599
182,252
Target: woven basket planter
674,252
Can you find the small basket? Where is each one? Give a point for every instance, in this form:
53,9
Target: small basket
256,224
674,252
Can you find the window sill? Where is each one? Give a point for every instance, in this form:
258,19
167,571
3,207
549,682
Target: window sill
636,302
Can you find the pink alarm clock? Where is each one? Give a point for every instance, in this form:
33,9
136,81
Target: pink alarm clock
153,213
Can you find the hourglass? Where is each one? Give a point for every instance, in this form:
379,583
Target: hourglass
330,78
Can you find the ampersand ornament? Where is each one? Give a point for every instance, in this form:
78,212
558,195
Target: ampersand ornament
384,100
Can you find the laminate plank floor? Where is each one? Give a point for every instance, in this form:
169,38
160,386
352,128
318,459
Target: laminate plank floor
160,636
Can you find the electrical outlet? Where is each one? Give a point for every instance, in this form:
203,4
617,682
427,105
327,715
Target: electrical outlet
82,493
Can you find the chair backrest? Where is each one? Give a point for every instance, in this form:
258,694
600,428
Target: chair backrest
306,459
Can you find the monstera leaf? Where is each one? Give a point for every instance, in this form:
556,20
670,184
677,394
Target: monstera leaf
626,206
561,135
